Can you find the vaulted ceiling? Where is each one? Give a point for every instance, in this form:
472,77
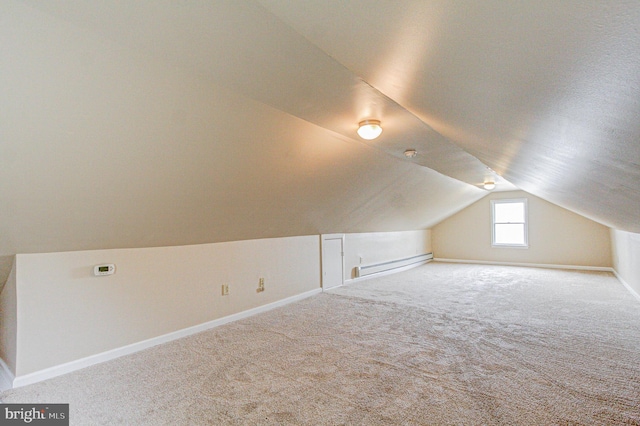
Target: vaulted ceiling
134,124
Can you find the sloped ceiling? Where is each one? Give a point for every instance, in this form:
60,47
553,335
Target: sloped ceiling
133,124
546,93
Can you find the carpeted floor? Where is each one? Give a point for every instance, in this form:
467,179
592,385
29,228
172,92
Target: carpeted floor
439,344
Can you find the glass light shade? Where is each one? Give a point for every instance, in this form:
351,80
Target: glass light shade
489,185
369,129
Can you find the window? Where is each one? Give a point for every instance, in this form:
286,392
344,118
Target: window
509,223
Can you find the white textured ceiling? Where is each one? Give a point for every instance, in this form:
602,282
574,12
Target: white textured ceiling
130,124
546,93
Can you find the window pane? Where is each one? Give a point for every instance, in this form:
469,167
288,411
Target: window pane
509,212
509,234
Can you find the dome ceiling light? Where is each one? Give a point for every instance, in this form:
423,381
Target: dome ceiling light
369,129
489,185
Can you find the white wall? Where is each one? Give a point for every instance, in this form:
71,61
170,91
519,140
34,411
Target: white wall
626,257
556,236
9,321
54,311
65,313
369,248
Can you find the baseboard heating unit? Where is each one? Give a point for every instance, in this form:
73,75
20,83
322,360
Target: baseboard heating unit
363,271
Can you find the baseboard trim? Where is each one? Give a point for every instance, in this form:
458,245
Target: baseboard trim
6,376
389,272
68,367
627,286
529,265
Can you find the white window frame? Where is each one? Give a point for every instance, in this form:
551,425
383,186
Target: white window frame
525,223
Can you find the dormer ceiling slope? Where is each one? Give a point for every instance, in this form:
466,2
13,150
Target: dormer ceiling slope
140,124
546,93
131,124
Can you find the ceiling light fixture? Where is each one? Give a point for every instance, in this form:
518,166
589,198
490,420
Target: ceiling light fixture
410,153
489,185
369,129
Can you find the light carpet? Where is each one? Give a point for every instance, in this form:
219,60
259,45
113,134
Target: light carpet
439,344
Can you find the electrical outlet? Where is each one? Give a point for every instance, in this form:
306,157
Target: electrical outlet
260,286
225,289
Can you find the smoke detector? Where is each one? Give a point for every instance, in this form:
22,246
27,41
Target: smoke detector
410,153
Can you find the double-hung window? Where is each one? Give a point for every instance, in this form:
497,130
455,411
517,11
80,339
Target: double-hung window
509,223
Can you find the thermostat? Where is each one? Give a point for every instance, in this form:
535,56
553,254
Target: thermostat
106,269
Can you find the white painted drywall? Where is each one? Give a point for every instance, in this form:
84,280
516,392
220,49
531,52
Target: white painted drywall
65,313
556,236
9,321
375,247
626,257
